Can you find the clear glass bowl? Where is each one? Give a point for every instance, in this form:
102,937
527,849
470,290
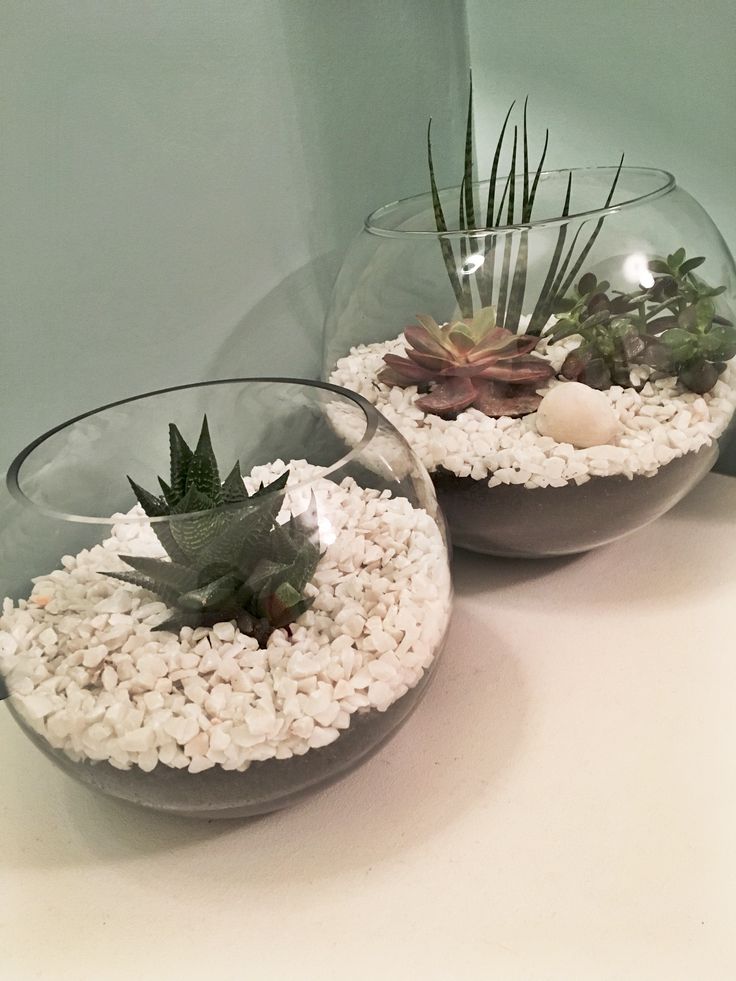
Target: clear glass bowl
202,721
493,498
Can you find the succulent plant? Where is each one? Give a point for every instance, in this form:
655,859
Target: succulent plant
505,287
228,556
610,343
690,339
470,362
670,325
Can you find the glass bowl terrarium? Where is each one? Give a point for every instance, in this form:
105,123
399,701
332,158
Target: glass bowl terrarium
556,346
224,639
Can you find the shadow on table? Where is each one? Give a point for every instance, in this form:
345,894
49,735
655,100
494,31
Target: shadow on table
451,753
680,555
712,501
476,573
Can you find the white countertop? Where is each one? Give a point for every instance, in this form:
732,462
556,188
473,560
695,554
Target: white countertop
561,806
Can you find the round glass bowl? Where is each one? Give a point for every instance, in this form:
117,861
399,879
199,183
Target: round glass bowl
304,622
506,487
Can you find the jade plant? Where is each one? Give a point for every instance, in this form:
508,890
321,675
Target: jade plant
470,362
229,558
670,325
494,232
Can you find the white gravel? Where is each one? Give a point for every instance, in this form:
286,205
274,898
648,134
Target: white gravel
660,422
86,671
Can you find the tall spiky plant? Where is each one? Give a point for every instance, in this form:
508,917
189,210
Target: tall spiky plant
506,292
228,556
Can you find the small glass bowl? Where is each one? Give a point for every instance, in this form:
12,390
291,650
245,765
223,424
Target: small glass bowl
202,721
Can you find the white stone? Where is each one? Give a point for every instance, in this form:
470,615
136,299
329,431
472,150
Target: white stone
577,414
323,736
138,740
94,656
224,631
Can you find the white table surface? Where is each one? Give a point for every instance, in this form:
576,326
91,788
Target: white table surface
561,806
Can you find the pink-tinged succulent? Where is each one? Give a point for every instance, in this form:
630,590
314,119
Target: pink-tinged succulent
468,363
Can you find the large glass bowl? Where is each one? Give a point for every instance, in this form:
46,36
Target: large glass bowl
397,268
202,721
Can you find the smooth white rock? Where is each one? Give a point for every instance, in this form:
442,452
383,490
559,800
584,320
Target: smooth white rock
577,414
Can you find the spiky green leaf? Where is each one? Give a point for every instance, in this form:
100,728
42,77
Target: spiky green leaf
163,572
153,506
168,595
233,488
203,474
180,459
220,594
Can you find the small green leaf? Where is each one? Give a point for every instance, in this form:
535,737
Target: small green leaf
445,245
163,572
203,474
219,594
233,488
691,264
563,329
699,376
432,327
587,284
168,492
490,211
154,507
659,266
181,457
276,485
677,259
681,342
467,187
720,342
563,304
168,595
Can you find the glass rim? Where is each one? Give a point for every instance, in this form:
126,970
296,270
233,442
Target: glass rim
666,185
370,413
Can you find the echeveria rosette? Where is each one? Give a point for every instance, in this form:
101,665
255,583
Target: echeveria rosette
470,362
228,556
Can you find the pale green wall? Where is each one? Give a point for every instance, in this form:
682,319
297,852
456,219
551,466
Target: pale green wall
656,79
179,178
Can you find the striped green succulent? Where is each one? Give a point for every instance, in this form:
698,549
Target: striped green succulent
501,280
229,558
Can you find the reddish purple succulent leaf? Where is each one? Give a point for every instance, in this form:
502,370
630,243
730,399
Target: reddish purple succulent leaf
461,341
520,371
432,363
497,399
495,341
422,341
449,397
412,372
389,376
471,362
518,347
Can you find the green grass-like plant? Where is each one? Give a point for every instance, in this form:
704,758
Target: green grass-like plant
228,556
505,289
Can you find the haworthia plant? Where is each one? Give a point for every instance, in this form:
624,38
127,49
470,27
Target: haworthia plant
228,556
506,291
